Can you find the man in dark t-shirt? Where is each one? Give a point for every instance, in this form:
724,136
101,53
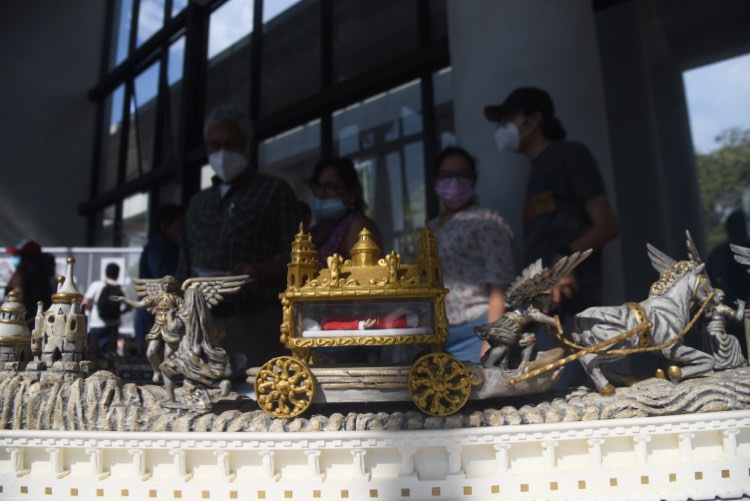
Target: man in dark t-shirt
567,208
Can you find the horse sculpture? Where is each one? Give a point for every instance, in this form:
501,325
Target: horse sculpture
657,324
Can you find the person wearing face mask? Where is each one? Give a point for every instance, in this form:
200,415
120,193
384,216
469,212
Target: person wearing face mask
475,247
566,207
338,206
243,224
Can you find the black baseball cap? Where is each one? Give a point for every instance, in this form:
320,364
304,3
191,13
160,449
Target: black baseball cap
524,99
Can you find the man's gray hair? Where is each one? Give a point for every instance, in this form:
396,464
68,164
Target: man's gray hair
231,114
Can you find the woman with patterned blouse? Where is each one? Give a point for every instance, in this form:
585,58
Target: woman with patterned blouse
475,248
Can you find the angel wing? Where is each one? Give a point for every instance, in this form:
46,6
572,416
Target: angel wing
692,249
741,254
215,288
148,287
535,279
659,260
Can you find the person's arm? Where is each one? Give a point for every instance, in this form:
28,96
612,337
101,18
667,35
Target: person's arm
496,304
88,298
287,223
604,225
495,242
603,229
496,310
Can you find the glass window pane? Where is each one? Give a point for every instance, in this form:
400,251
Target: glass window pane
383,136
121,25
176,61
178,6
291,156
142,123
172,99
367,34
207,173
105,227
135,220
111,140
229,54
291,52
273,8
150,19
444,124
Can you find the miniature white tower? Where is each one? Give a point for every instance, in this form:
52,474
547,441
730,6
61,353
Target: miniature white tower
63,325
15,337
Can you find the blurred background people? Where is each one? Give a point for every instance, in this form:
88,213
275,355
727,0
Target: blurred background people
103,325
33,277
339,209
726,273
729,275
338,206
243,224
567,208
475,247
159,258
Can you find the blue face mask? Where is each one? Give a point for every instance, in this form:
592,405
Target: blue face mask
15,261
328,208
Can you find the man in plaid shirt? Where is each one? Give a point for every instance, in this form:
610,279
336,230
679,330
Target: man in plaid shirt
243,224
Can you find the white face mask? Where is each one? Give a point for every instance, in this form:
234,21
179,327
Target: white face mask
227,164
507,137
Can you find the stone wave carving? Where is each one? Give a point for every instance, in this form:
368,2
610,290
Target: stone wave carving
102,402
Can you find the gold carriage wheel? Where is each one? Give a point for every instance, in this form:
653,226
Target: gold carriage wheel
284,387
439,384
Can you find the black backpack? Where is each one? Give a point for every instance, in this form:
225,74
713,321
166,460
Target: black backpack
108,309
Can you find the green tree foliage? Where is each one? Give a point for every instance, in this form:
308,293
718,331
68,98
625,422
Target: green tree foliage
724,180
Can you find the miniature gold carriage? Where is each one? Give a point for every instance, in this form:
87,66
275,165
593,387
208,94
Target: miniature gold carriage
363,301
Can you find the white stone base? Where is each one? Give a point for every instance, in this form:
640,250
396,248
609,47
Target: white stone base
697,456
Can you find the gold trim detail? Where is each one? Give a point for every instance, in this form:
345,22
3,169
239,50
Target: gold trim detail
284,387
639,313
364,276
439,384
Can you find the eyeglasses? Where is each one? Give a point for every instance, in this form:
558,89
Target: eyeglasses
466,176
326,189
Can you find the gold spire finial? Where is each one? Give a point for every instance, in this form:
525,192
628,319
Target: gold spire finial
365,252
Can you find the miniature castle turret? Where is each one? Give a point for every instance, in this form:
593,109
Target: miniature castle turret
64,325
304,263
15,337
428,263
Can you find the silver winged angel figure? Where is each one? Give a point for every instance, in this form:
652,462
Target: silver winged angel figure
163,299
526,300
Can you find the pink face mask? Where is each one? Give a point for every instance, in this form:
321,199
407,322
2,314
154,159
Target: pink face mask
454,192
